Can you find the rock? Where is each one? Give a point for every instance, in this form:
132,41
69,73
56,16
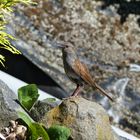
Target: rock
40,108
87,120
8,106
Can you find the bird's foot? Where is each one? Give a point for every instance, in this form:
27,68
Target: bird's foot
70,97
75,93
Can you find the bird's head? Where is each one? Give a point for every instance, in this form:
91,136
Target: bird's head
66,47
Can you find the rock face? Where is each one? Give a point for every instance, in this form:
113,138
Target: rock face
8,107
87,120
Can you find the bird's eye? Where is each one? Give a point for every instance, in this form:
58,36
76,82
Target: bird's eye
66,46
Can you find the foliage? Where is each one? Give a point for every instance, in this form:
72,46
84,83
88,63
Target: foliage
6,9
1,60
36,130
27,96
57,132
49,100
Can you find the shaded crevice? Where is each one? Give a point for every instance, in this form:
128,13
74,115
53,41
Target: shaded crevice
125,8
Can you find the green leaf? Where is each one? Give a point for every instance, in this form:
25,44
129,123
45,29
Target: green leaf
50,100
57,132
25,118
28,95
36,130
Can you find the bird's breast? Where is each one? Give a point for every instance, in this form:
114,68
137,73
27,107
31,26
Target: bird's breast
72,75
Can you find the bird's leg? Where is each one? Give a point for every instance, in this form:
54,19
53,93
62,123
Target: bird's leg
77,90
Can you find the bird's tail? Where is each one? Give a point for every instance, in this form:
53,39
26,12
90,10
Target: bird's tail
102,91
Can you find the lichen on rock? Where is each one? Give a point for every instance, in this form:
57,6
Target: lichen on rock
87,120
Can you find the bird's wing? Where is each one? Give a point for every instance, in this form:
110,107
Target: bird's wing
82,70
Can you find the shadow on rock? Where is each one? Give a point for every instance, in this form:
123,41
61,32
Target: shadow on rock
125,8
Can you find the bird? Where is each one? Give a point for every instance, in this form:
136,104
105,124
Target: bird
77,71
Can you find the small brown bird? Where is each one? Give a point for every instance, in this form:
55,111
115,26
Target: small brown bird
76,70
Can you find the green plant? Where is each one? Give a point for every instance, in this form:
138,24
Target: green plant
27,96
57,132
6,9
35,130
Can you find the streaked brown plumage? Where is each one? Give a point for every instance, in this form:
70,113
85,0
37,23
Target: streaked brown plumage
77,71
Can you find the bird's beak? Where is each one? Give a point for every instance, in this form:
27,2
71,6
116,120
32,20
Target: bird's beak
59,45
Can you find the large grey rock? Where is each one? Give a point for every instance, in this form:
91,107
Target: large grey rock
87,120
101,39
8,106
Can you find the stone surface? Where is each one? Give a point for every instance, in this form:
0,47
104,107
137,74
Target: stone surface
87,120
8,107
40,108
